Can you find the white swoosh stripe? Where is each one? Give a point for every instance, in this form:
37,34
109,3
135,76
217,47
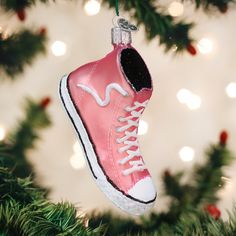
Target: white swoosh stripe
109,88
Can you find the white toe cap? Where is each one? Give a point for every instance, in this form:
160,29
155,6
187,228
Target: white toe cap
143,190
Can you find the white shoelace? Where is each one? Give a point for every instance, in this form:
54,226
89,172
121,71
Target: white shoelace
131,121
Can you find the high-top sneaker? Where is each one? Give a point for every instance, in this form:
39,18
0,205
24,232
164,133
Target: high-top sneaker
105,100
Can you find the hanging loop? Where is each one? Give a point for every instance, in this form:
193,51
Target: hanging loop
125,25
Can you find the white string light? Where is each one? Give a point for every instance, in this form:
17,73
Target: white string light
92,7
77,160
227,183
205,46
2,133
143,127
194,103
191,100
186,154
176,9
58,48
231,90
5,33
174,48
184,95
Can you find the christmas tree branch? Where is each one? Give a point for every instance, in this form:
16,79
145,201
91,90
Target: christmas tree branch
13,150
170,32
207,5
206,180
209,178
114,225
18,5
18,50
191,222
25,211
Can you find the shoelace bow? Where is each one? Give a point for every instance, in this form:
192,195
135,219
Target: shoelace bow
131,121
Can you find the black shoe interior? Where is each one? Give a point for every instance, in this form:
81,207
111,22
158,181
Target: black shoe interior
135,69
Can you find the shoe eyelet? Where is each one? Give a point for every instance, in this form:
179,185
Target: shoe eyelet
120,119
128,109
118,129
119,162
118,141
119,151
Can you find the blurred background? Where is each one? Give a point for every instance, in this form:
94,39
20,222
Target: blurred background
194,95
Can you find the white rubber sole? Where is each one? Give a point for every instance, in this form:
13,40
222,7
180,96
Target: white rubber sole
125,203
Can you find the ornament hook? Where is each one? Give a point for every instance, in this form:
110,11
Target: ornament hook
121,22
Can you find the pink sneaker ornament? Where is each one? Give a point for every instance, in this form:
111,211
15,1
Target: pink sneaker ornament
104,100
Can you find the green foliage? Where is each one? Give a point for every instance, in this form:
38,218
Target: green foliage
21,190
198,223
221,5
18,50
13,151
25,134
25,45
209,178
190,223
171,33
25,211
114,225
205,4
19,4
204,183
202,186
